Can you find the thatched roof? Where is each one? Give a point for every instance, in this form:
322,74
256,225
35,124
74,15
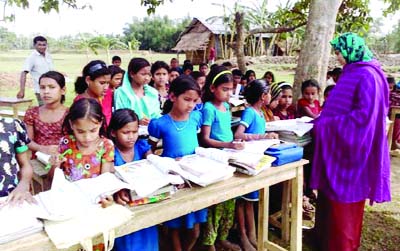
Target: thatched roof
193,42
197,35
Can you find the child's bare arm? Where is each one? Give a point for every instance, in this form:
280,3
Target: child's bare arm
309,113
240,134
107,167
208,142
153,145
21,192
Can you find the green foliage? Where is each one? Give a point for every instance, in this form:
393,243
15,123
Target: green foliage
7,39
155,33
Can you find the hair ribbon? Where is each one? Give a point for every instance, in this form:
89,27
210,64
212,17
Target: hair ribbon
219,75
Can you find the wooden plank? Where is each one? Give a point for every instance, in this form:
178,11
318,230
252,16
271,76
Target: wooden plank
296,211
394,110
274,247
183,202
263,209
7,101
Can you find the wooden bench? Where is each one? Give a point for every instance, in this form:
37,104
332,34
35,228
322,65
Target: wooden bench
10,114
15,104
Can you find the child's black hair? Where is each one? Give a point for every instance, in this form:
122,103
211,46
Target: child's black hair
135,65
39,38
187,61
213,66
203,64
197,74
179,86
237,72
119,119
227,64
187,66
158,65
270,74
336,71
84,108
248,73
174,69
115,58
214,78
114,70
93,70
328,89
254,90
391,80
309,83
58,77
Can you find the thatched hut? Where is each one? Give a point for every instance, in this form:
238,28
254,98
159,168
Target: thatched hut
197,39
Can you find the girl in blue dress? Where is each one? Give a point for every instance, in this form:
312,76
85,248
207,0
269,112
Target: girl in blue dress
251,127
123,130
216,132
177,129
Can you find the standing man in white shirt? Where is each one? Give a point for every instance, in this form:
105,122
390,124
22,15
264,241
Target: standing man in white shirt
37,63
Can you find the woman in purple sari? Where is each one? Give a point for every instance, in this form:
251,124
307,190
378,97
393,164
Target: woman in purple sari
351,160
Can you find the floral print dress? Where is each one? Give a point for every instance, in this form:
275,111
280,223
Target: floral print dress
13,140
81,166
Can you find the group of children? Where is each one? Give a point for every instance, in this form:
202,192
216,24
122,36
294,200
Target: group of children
182,108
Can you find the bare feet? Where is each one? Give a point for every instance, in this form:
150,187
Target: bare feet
253,239
227,245
246,245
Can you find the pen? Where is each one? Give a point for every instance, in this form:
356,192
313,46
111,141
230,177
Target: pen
61,156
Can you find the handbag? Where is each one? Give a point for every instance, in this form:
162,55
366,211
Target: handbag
83,228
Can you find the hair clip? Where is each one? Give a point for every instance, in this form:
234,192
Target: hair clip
96,67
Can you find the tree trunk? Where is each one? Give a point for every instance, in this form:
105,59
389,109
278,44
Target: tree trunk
314,55
239,46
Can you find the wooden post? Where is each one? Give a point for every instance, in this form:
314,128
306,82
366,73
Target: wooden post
296,210
263,212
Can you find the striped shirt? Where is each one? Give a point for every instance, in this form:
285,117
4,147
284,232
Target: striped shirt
351,160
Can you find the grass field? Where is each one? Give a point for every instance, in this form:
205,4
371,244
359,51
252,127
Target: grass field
381,222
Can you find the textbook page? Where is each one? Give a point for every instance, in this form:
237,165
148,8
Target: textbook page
142,176
66,199
17,221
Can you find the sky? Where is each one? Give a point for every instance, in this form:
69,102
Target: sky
109,17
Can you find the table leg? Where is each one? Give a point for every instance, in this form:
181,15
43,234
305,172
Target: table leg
15,111
286,211
263,213
296,210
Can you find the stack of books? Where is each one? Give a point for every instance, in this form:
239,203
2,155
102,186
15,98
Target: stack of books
294,138
292,130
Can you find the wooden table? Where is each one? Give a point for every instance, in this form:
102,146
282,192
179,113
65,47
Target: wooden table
189,200
40,182
394,110
14,103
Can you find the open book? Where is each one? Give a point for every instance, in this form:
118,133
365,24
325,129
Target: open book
190,168
17,221
145,178
67,199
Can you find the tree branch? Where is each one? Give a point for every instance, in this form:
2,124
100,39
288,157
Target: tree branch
275,30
